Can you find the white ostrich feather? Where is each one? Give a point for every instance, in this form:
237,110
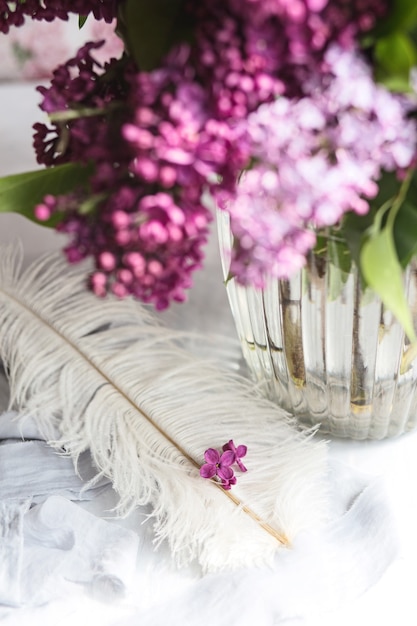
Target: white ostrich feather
104,375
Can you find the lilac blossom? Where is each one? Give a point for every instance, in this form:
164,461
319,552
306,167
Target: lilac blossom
239,452
155,151
237,66
255,87
246,52
219,465
77,85
315,158
14,13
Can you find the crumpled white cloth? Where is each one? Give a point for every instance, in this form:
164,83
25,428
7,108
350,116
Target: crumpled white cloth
49,545
32,469
51,549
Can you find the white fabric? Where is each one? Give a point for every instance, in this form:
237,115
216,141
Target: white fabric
32,469
49,545
29,468
11,550
55,546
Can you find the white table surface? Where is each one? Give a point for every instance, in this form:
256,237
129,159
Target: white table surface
392,599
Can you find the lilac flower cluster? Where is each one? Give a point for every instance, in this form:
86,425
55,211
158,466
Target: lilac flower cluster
236,64
311,24
155,150
316,158
76,87
14,13
219,465
249,51
159,140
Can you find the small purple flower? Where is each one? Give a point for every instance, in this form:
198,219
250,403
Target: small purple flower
219,465
239,452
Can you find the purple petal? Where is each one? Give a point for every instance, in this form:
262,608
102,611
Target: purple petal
241,466
225,472
229,446
208,470
227,458
212,456
177,156
241,451
226,484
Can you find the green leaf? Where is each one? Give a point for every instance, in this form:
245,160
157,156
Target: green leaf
353,228
150,28
340,266
402,16
20,193
339,254
382,272
405,233
82,20
398,84
396,55
388,188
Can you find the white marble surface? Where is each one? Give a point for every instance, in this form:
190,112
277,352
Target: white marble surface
392,599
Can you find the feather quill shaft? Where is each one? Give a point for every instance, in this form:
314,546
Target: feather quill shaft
106,376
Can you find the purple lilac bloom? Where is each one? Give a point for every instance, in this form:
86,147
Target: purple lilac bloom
14,13
159,140
239,452
247,52
177,142
311,24
155,151
78,85
316,158
237,65
217,465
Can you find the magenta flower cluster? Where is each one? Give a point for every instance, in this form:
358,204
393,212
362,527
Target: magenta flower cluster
264,87
14,12
219,465
316,158
156,150
249,51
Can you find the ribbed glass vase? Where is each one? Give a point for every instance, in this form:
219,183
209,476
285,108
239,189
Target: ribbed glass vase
328,351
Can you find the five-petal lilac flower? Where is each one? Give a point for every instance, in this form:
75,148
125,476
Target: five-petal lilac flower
219,465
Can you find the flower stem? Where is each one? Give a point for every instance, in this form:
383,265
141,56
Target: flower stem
75,114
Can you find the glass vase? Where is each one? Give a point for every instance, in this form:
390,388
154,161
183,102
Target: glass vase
327,350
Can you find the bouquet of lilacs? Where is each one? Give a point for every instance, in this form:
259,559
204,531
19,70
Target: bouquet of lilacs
297,117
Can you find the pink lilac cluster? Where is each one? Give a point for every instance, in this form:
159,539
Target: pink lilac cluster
237,65
310,24
155,151
79,84
219,465
14,13
249,51
159,140
316,158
